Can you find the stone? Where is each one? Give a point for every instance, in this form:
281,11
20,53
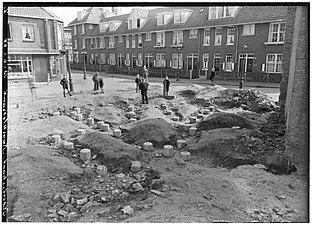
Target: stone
20,218
117,133
131,114
211,108
101,169
168,151
104,127
168,112
206,111
120,175
127,210
77,110
81,131
175,118
193,131
199,115
86,207
65,197
69,208
56,139
52,215
235,127
181,143
124,194
56,198
135,166
148,146
71,217
81,201
158,193
133,120
73,114
62,212
79,117
186,156
58,206
164,107
99,124
69,145
136,187
56,113
90,121
193,119
85,154
51,210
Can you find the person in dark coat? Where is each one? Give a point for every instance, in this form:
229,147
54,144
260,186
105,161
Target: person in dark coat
101,83
64,84
166,83
95,80
143,86
137,82
212,76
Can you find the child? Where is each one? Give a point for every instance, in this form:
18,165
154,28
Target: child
143,87
137,81
101,83
64,84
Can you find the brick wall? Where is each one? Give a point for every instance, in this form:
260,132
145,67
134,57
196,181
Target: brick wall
294,97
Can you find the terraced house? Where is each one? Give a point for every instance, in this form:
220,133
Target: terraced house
35,38
246,40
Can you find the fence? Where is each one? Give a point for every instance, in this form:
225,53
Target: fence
251,76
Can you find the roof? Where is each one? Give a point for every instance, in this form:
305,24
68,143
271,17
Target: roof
93,15
32,12
197,19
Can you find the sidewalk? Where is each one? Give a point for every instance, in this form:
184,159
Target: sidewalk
200,80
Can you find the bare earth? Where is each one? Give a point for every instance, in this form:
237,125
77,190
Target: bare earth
229,178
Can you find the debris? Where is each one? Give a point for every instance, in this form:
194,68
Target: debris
82,201
62,212
135,166
158,193
127,210
65,197
86,207
20,218
280,197
168,150
57,198
186,156
136,187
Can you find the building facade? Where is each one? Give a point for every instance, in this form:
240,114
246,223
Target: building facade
68,43
188,41
35,38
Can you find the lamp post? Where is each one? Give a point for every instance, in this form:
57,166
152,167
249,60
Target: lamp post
65,53
242,75
84,66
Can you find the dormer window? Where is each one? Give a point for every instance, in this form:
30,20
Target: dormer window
222,11
163,18
103,27
180,16
113,25
134,22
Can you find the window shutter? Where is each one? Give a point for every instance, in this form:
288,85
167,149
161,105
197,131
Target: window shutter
154,62
263,67
223,66
170,63
165,63
233,65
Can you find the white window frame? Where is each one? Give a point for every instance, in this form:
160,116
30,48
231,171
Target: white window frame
140,41
148,59
102,58
177,38
92,58
134,60
280,33
193,33
133,41
180,16
102,42
112,59
140,61
160,39
28,28
160,60
75,44
177,59
83,43
91,43
76,57
218,35
127,41
95,43
103,27
230,34
120,59
249,29
275,64
162,18
82,29
206,39
217,12
229,58
205,61
111,42
148,36
75,30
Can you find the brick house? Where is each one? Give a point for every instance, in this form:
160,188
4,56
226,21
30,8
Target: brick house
35,38
190,40
68,43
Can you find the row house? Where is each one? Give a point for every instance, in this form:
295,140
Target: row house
189,41
35,38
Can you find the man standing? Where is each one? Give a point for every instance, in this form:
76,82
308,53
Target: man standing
95,80
143,87
101,83
137,82
212,76
166,83
64,84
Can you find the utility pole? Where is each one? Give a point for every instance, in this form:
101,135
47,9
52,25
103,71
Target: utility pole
65,53
242,75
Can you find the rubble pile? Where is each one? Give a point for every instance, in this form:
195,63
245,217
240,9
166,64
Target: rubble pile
248,99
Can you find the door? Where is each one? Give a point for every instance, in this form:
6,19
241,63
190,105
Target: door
192,64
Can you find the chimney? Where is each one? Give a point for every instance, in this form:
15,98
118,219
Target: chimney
116,10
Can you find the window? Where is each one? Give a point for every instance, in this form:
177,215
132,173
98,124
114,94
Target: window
177,37
205,61
230,36
229,62
207,37
193,33
163,18
120,59
75,44
160,39
127,41
113,25
102,58
274,63
92,58
9,36
140,41
112,59
134,23
133,41
82,29
216,61
111,43
90,26
102,42
76,57
134,61
19,65
119,38
277,33
177,60
127,61
148,36
28,32
95,43
218,36
140,61
222,11
160,60
83,43
103,27
75,30
92,45
180,16
249,29
148,60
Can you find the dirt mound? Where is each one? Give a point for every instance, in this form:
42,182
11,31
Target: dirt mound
224,120
184,111
108,114
155,130
187,93
250,99
112,152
